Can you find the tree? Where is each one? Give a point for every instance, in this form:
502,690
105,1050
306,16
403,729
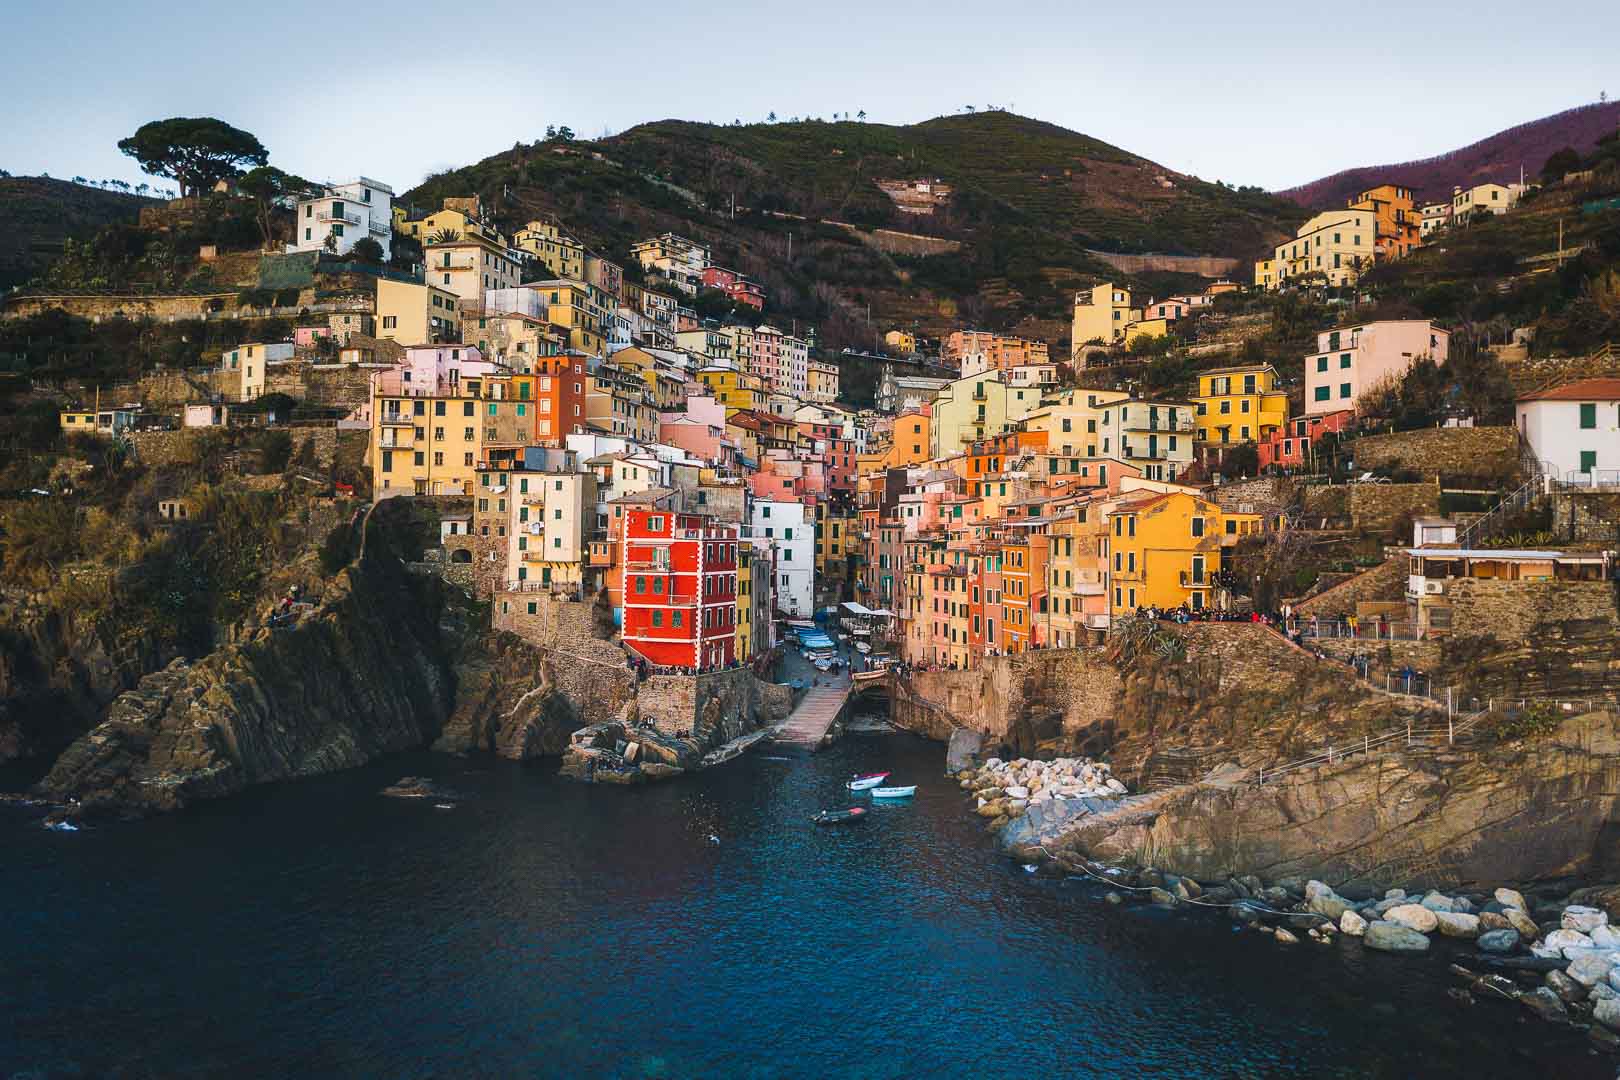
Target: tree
367,250
565,133
197,152
861,115
267,186
771,119
1560,162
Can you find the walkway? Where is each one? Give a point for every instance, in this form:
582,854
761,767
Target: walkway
809,723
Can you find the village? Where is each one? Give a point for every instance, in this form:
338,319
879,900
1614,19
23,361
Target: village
704,478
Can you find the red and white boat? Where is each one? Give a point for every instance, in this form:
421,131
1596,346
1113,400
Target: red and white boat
867,780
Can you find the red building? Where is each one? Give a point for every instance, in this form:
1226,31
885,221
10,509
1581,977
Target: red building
679,574
1289,447
740,289
560,390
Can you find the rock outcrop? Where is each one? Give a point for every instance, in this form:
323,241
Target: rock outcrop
508,702
364,675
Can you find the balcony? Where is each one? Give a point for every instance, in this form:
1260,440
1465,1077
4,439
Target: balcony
1194,580
380,228
396,420
1182,425
647,566
340,216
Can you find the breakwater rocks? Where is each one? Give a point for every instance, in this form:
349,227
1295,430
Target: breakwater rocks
1004,791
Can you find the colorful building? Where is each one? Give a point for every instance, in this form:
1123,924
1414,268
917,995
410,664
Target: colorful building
679,588
1166,549
1293,445
1239,404
1350,360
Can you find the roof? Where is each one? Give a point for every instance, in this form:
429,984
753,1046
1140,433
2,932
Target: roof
1484,553
1600,389
1238,368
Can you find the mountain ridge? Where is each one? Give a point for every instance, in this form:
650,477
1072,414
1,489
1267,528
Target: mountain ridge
1494,159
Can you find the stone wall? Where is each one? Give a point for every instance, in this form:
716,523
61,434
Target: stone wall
1510,610
1482,453
1591,517
552,623
1210,266
1376,507
1385,582
1418,655
1262,494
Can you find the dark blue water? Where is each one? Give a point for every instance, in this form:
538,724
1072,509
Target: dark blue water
700,928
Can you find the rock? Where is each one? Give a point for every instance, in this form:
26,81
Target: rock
1603,1038
1159,896
1436,902
1614,979
1239,888
1490,920
1194,889
1179,887
1329,904
1286,938
1584,919
1544,952
1591,968
1389,904
1115,786
1220,894
1606,937
1114,897
1252,883
1018,791
1463,905
1510,898
1498,941
1567,989
1353,924
1603,990
1458,924
1413,917
1395,938
1545,1004
1276,896
1606,1011
1524,924
1395,894
1567,939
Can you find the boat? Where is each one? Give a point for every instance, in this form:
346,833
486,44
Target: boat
868,676
861,646
894,792
838,817
867,780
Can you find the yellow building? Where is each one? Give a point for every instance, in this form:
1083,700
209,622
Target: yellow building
1333,248
1165,549
823,382
472,265
901,342
413,314
617,402
745,603
734,389
973,408
1146,328
513,339
1265,273
551,514
1101,316
1071,422
427,445
1239,404
559,253
573,305
836,539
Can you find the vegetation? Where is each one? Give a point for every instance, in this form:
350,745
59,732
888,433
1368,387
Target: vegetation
196,152
268,186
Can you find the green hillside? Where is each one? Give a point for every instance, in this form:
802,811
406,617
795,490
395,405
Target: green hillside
37,214
1028,199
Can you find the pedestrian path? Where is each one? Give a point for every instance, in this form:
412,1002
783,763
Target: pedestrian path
809,723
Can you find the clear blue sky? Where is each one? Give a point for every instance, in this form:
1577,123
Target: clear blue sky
1268,93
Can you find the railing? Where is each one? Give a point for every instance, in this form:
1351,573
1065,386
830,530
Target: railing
329,214
1370,630
1192,580
1521,498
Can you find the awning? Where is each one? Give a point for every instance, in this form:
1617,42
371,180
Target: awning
855,607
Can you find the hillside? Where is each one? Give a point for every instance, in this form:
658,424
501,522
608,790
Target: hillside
38,213
1027,198
1495,159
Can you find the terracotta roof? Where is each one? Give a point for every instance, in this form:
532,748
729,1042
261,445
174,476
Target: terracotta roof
1602,389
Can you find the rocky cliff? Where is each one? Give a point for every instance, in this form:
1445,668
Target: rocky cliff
363,675
509,701
1524,810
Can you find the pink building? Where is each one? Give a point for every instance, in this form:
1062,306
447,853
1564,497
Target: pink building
740,289
1351,360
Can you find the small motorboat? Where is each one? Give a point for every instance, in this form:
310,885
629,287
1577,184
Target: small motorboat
867,780
839,817
861,646
894,792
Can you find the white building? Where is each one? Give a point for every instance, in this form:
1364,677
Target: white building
1484,199
1575,429
1157,436
347,213
248,362
783,531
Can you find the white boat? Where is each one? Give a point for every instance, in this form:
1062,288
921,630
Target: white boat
869,780
894,792
863,647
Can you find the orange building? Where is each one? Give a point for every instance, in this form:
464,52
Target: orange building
1399,222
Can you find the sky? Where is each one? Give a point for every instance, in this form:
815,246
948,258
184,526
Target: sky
1266,93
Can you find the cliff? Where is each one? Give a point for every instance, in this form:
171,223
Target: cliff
1525,810
510,701
364,675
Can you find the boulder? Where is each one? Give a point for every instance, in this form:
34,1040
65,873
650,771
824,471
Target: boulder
1437,902
1591,968
1584,919
1603,990
1352,924
1114,897
1457,924
1413,917
1567,989
1511,898
1328,904
1238,888
1490,920
1606,1011
1018,792
1285,938
1545,1004
1394,894
1276,896
1395,938
1606,937
1498,941
1567,939
1159,896
1524,924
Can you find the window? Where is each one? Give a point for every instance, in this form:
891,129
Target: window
1588,460
658,618
1321,363
1344,361
1344,390
1588,416
1323,393
1198,526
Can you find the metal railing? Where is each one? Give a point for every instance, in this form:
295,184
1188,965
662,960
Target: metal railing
1370,630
